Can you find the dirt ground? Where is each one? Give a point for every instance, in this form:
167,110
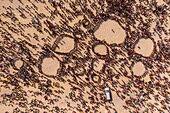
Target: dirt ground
58,56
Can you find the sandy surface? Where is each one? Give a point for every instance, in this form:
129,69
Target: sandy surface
144,47
139,69
98,65
111,32
100,49
71,85
50,66
19,64
65,45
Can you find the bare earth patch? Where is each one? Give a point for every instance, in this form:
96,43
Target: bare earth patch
111,32
50,66
139,69
19,64
65,45
100,49
144,47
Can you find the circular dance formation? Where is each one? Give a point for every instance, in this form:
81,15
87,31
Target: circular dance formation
64,44
100,49
18,63
111,32
144,47
49,66
138,69
95,78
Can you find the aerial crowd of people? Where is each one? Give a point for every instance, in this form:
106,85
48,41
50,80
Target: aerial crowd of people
28,83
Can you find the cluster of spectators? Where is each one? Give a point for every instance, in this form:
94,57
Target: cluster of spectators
129,14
